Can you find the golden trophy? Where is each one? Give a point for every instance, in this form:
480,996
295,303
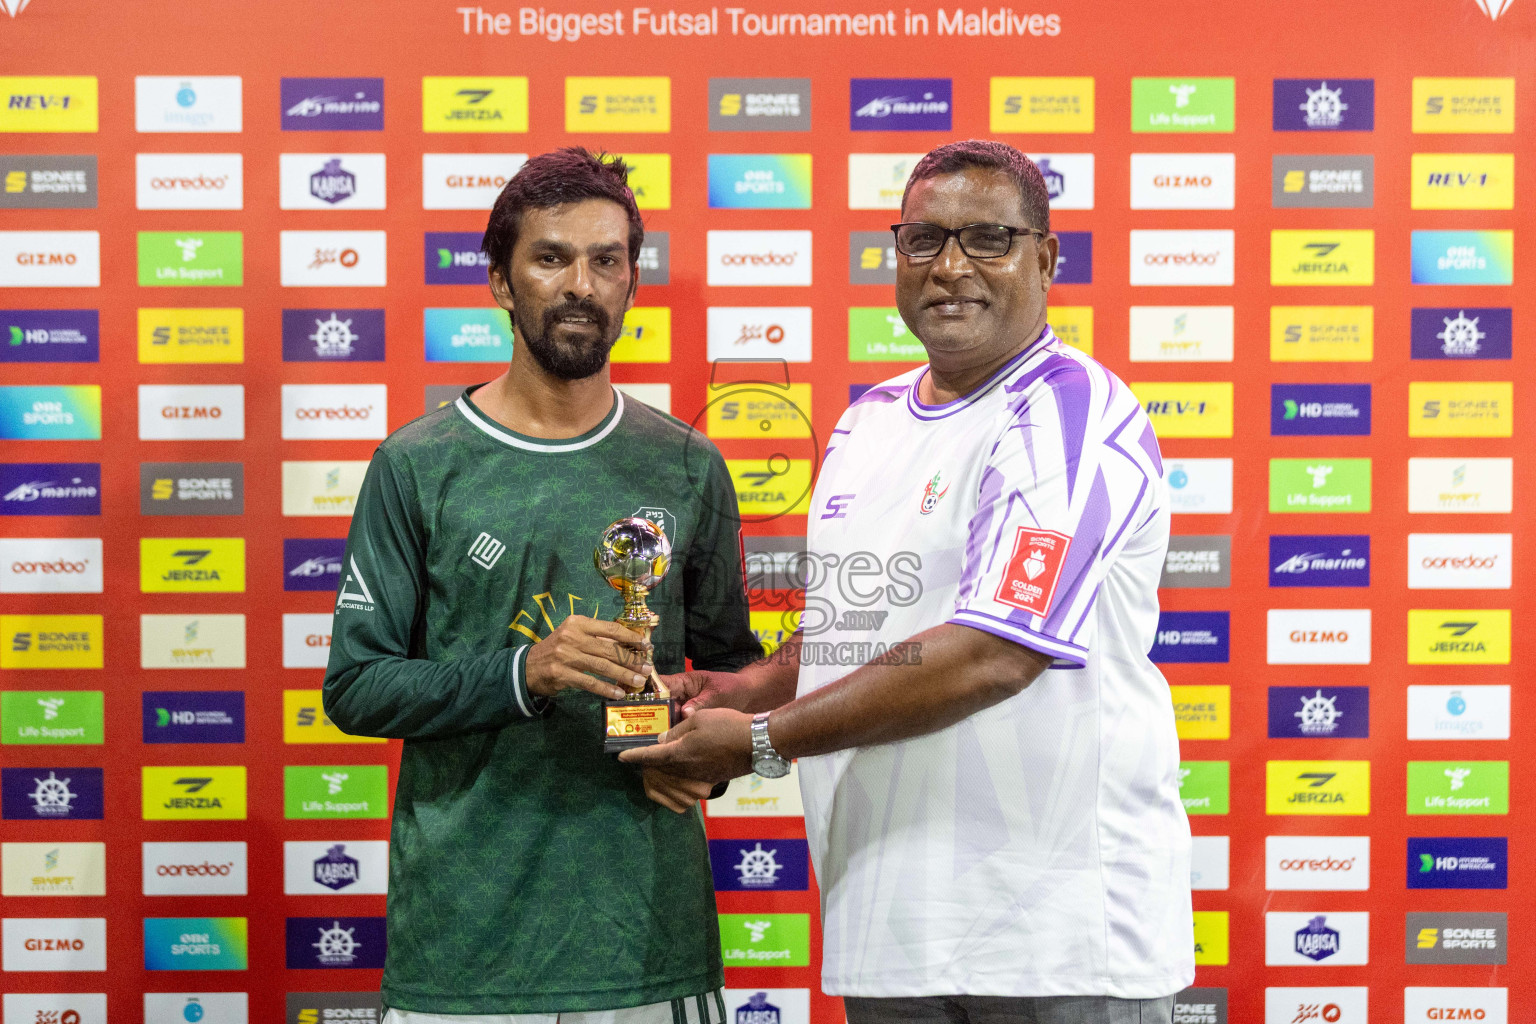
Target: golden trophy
633,556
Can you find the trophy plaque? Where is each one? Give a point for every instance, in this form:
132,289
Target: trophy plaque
633,556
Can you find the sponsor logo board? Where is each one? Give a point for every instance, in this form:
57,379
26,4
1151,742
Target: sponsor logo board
871,257
47,103
203,793
1187,409
751,410
1460,485
48,182
335,942
322,488
1463,257
1463,332
1210,863
50,489
1458,787
50,259
1463,181
66,412
1319,712
1185,637
334,411
1212,937
194,869
765,940
1457,938
1180,258
1183,104
332,259
332,104
305,721
195,944
1460,408
50,641
314,1007
1179,334
190,181
306,639
759,104
191,259
769,333
1327,560
331,181
50,565
760,865
201,412
1319,485
752,796
899,104
73,1007
1205,786
1199,486
192,641
191,565
1332,1005
474,104
645,337
312,564
1473,862
187,103
1068,179
54,943
1321,334
333,335
326,868
617,104
191,335
879,334
1324,105
759,258
1197,561
1317,787
1202,712
466,181
51,794
1458,712
1308,863
206,1007
1041,105
50,336
1312,939
763,181
191,488
1460,561
1471,636
1201,1006
51,717
1464,105
457,335
876,181
1322,257
1074,259
1320,410
1322,182
1314,636
194,716
1183,181
53,869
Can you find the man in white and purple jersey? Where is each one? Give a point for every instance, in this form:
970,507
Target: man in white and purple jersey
988,757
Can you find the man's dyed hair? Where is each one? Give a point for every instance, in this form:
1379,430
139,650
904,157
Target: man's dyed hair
568,175
998,156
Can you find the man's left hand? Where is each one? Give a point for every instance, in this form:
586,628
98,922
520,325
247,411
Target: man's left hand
711,745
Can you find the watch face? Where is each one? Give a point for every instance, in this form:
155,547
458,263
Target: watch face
770,767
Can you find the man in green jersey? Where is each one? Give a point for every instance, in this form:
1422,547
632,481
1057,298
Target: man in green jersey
529,873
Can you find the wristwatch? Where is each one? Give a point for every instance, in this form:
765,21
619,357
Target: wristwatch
765,760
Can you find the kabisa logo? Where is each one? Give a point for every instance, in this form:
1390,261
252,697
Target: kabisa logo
1327,560
1320,410
336,870
757,1010
1316,941
1335,104
332,183
335,942
312,564
899,104
1462,332
1069,179
454,257
51,794
1201,637
1311,712
333,335
332,104
1473,862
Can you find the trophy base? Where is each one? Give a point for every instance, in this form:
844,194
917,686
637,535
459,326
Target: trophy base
635,722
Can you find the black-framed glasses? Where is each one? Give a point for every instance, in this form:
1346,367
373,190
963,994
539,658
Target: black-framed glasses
978,241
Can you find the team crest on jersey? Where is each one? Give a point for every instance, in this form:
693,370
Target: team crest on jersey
932,494
661,517
1029,580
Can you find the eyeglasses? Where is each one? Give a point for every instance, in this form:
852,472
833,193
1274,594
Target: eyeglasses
979,241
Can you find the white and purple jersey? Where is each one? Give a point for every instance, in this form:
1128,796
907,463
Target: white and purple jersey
1039,847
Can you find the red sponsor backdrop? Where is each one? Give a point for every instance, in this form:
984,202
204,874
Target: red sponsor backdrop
1111,42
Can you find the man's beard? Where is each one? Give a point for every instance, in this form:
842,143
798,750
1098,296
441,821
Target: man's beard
573,359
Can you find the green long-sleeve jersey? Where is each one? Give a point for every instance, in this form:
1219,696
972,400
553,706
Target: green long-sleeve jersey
528,871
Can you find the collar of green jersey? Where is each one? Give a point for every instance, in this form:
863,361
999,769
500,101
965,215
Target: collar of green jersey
512,439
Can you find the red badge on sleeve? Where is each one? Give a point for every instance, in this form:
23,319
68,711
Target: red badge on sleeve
1029,579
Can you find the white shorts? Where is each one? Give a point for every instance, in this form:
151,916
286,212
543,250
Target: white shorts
705,1009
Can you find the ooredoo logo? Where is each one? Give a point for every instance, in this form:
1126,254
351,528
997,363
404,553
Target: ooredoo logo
190,181
773,258
1306,863
1460,561
331,411
1181,257
47,565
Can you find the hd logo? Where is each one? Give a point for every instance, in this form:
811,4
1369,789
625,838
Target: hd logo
1458,636
192,565
1317,787
1322,257
194,794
